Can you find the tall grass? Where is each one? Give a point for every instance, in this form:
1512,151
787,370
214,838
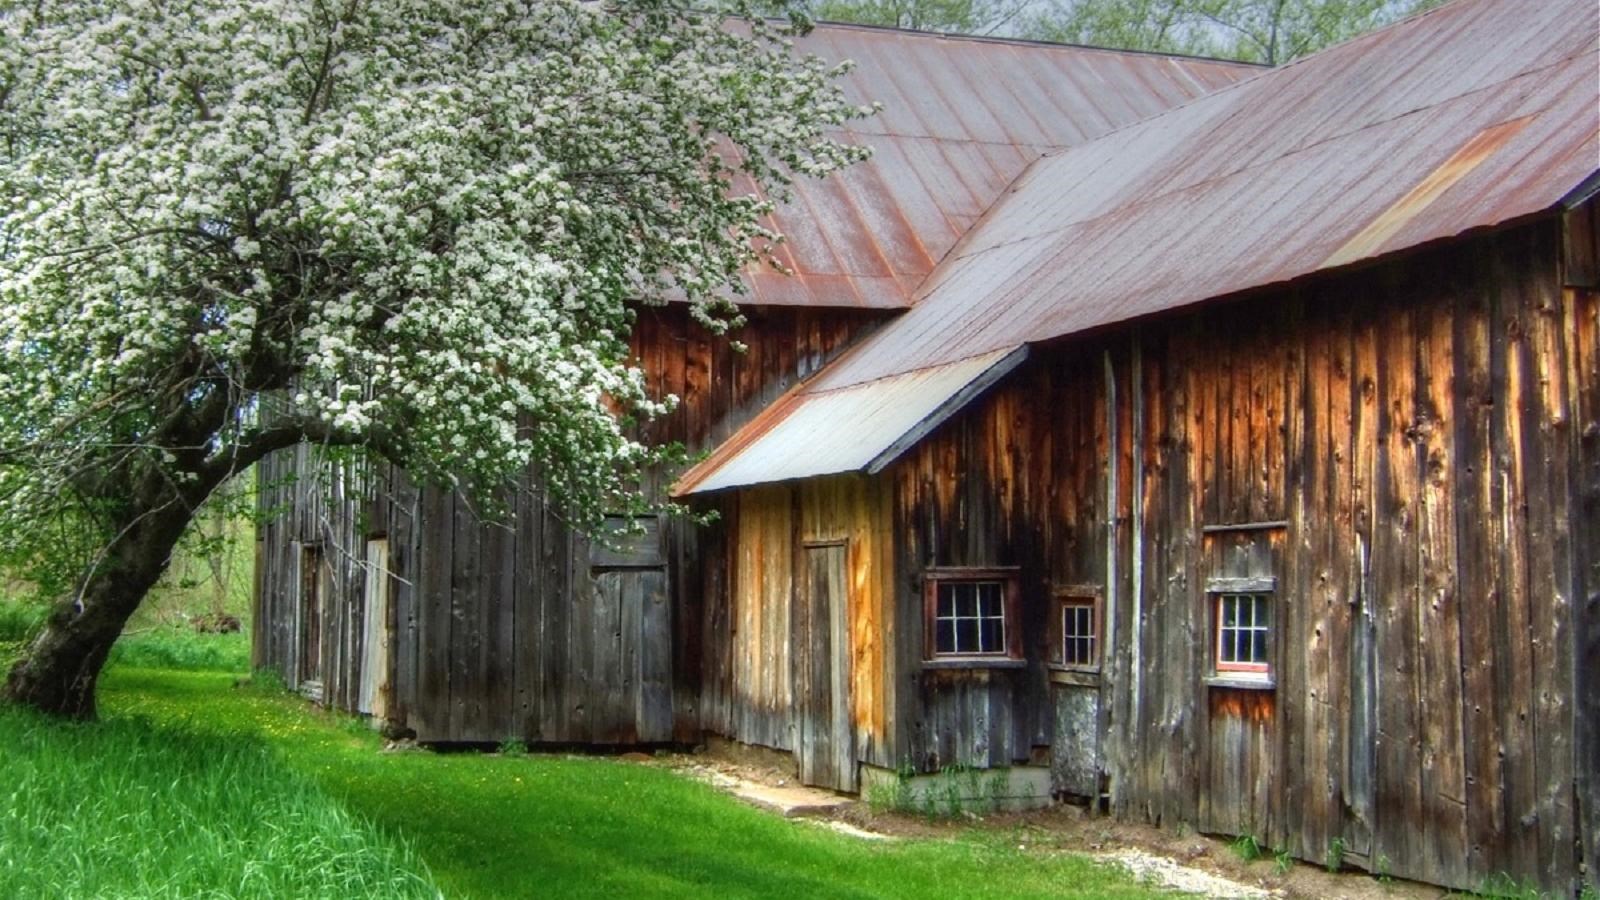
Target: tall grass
125,808
183,649
18,622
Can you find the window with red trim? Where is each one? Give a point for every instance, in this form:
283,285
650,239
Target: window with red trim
1244,634
1075,632
971,614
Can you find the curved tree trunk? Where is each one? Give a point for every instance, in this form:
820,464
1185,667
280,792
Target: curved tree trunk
61,669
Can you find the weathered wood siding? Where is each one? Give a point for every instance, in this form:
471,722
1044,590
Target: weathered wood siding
527,632
759,654
316,526
1578,334
1410,451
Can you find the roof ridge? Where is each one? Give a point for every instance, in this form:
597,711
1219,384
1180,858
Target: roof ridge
1231,173
1033,42
1271,70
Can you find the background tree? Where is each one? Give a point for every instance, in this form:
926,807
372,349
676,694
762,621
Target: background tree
1264,31
418,227
978,17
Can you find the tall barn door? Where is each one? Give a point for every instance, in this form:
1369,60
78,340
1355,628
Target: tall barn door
825,745
314,588
1244,615
633,657
373,699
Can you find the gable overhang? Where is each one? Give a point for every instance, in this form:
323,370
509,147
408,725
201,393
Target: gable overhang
856,428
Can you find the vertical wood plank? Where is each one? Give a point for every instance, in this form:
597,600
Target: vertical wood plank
1438,626
1478,541
436,539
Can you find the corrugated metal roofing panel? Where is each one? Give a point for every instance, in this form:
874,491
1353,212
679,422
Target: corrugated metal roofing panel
945,146
847,430
1243,188
1471,115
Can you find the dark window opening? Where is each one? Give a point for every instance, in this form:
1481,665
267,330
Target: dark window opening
972,613
1080,634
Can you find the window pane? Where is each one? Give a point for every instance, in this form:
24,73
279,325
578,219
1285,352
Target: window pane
945,636
1263,612
964,599
1259,651
990,604
966,635
993,635
1229,605
947,601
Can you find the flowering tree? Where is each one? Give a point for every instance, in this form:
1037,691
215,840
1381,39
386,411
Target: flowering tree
421,223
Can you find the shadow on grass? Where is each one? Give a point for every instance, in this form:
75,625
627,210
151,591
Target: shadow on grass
538,825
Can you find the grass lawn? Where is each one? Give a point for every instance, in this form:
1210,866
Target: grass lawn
183,754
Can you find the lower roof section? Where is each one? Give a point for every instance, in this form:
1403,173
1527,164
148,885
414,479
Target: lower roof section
859,428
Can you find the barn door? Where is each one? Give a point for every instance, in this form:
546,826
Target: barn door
313,595
825,743
1074,654
633,670
375,632
631,683
1244,615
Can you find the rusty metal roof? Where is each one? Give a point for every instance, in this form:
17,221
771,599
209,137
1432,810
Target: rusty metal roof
961,119
1474,114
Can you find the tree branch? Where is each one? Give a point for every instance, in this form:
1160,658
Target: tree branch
287,432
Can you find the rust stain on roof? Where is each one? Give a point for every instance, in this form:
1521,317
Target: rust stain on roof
1328,161
1388,223
961,118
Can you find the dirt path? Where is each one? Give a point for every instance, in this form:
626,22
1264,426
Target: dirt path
1174,859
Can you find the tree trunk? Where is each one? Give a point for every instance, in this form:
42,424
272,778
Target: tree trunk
59,674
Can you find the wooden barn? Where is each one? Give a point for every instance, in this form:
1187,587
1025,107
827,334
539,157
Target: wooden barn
1241,466
1238,468
482,633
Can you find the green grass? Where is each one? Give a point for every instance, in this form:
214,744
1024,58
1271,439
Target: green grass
197,784
175,647
128,809
19,619
535,825
18,622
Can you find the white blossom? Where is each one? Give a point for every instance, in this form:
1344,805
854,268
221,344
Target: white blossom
429,221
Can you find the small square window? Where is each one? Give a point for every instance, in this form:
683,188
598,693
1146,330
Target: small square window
971,613
1244,634
1075,632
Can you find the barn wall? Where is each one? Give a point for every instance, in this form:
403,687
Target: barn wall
756,689
525,632
311,519
857,511
1397,448
1579,336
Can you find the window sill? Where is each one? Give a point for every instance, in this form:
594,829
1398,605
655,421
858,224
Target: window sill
1241,682
1074,675
974,662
